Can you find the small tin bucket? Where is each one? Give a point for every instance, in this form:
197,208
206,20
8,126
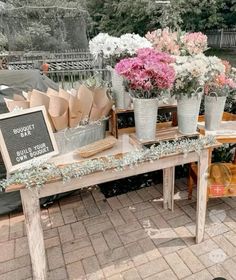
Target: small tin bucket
121,96
145,115
214,109
188,111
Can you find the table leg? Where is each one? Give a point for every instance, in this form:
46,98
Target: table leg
31,207
202,194
168,188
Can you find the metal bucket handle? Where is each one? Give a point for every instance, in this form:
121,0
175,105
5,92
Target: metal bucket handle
198,92
215,94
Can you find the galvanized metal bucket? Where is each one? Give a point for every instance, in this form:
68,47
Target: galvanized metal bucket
214,109
121,96
145,115
73,138
188,111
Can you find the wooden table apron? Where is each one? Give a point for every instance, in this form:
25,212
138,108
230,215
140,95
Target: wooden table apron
30,198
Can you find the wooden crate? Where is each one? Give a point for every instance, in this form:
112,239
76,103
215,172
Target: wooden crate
165,134
115,131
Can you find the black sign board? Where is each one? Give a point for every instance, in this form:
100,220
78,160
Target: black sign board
25,136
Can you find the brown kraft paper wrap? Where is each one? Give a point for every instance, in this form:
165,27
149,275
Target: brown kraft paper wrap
58,111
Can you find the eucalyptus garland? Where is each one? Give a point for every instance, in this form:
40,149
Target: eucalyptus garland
39,175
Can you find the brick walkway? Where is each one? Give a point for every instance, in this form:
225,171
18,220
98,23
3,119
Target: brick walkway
125,237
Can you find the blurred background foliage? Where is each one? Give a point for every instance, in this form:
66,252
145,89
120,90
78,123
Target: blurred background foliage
62,24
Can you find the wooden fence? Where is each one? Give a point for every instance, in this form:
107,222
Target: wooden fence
222,38
68,69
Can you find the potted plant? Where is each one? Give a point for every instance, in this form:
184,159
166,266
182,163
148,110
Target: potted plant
148,75
217,89
188,90
112,50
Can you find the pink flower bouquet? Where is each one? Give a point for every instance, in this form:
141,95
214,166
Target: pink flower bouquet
194,43
221,85
148,74
178,43
165,41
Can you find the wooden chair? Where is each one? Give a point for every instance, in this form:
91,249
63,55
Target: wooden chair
193,168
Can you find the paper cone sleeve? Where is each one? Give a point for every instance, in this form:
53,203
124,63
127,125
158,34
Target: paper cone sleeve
85,97
64,94
100,97
95,114
75,116
18,97
39,98
51,92
12,104
107,109
58,111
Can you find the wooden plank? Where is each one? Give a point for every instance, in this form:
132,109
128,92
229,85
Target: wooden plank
167,134
111,175
201,194
30,203
96,147
168,188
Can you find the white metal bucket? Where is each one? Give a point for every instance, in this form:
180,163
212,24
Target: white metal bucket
188,111
145,115
121,96
214,109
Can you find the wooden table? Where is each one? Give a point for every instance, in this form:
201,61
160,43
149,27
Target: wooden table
30,197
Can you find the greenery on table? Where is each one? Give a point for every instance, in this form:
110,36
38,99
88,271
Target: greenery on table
41,173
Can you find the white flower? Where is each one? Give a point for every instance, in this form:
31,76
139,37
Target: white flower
110,46
96,45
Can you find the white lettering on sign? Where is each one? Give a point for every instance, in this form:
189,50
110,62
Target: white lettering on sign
39,152
33,152
21,158
24,131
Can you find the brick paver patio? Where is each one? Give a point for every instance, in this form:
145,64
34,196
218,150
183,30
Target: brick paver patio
125,237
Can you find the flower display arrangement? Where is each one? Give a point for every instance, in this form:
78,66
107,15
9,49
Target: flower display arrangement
192,73
148,74
217,88
112,50
178,43
220,84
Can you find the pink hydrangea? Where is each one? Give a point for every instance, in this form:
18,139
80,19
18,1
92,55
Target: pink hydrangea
149,70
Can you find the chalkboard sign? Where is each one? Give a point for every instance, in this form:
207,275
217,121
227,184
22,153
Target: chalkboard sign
25,136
